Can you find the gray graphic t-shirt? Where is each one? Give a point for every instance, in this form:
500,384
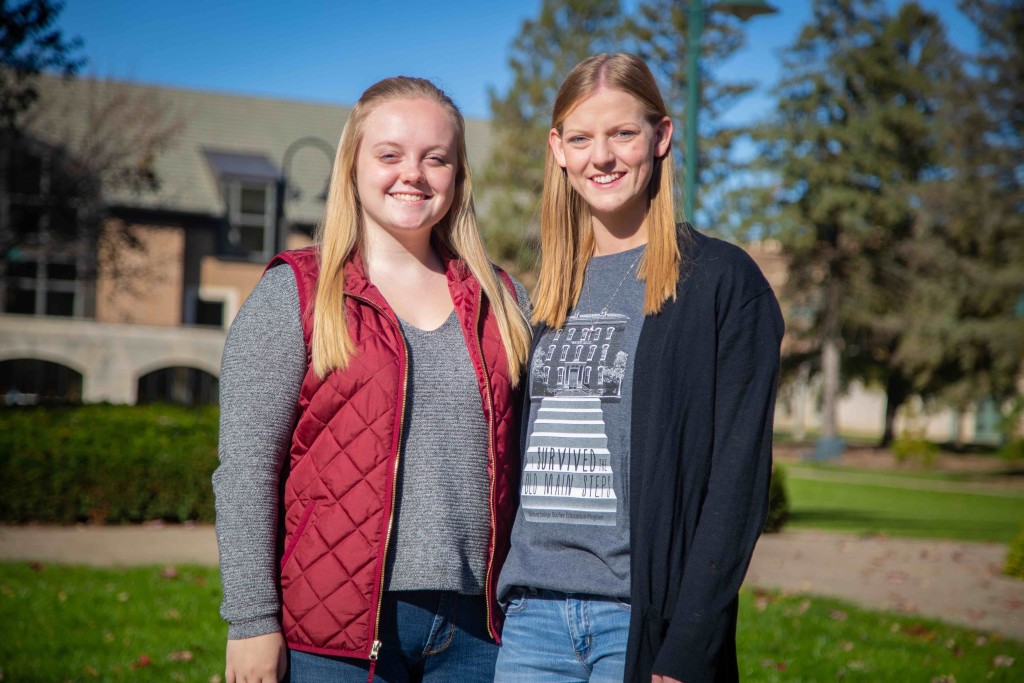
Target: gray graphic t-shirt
571,532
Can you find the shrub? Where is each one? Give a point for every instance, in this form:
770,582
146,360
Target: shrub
778,502
1015,557
915,449
1012,450
103,463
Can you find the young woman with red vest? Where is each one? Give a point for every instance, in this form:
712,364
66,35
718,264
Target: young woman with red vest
647,426
369,438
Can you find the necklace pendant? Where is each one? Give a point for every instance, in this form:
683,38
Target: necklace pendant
604,311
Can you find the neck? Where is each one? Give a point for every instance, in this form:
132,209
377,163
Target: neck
621,230
385,252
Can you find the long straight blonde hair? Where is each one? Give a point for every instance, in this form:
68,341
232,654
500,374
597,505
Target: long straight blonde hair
340,233
567,239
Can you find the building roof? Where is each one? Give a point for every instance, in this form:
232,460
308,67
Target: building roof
214,130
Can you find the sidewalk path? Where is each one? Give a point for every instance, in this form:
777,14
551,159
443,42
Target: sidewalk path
954,581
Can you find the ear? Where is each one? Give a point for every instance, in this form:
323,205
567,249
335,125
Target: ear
662,137
555,142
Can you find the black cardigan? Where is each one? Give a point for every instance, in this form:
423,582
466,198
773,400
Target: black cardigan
704,380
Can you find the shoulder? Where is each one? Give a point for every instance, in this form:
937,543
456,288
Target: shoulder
518,290
726,267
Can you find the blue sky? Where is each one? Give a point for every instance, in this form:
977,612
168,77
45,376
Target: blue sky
331,50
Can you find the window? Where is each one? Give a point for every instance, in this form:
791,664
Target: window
249,186
250,219
210,313
591,352
551,352
181,385
29,381
44,270
565,351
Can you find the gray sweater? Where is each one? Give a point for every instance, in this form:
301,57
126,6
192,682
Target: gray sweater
441,525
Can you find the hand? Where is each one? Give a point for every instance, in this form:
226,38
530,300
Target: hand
262,659
664,679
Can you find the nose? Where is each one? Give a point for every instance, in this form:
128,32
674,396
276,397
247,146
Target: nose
602,153
411,171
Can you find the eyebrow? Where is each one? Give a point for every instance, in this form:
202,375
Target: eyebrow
392,143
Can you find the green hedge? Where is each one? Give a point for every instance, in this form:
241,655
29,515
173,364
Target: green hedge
778,502
109,464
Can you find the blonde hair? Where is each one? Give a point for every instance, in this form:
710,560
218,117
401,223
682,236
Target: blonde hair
567,240
340,231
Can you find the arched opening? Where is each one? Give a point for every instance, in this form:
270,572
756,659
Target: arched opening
180,385
30,381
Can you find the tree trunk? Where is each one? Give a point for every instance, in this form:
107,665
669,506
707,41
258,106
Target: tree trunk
896,393
829,388
830,364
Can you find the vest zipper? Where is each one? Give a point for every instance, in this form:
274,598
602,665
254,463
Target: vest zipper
376,645
492,461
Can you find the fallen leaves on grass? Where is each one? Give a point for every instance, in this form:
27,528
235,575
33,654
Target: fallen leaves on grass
772,664
169,573
143,661
180,656
837,615
1003,661
917,630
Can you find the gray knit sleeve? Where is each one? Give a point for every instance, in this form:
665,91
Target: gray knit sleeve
522,298
262,370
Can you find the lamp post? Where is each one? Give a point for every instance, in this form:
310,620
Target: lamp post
744,9
282,181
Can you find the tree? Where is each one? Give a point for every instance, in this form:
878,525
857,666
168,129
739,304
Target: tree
852,146
29,45
969,259
542,54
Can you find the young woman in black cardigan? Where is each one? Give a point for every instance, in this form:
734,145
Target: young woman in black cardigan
647,424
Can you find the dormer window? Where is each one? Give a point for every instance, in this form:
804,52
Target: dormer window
248,185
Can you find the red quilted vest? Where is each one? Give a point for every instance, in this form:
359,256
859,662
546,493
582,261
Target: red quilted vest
339,494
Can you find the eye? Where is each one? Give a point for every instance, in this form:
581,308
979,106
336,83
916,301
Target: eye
577,140
388,157
437,159
626,134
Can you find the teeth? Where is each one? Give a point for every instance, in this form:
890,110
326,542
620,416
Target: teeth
402,196
605,179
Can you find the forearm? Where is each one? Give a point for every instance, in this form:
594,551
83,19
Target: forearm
736,499
262,369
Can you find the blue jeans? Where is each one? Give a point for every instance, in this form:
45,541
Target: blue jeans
425,635
552,637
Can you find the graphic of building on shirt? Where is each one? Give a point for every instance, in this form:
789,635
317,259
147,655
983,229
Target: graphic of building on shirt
568,474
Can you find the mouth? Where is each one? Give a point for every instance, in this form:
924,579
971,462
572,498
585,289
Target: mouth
607,178
408,197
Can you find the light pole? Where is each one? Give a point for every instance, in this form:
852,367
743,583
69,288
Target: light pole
744,9
282,181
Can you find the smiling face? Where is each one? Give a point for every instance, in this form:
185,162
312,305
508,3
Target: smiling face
406,166
607,147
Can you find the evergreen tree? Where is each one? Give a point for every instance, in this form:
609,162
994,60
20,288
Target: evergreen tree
852,144
968,261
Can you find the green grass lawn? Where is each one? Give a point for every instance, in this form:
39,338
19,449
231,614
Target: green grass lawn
898,505
148,624
82,624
